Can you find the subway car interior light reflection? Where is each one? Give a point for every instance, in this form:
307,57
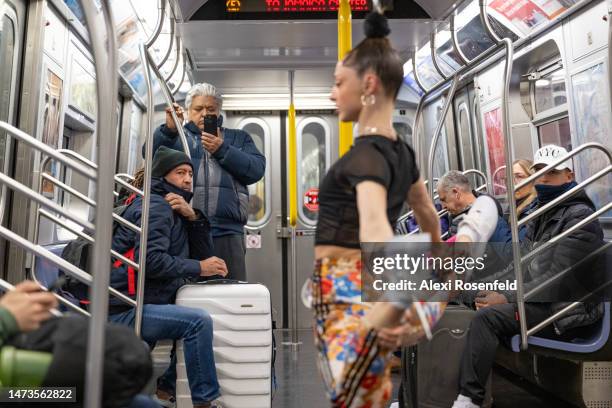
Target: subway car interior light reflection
204,203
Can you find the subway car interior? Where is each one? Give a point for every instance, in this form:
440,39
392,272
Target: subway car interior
84,86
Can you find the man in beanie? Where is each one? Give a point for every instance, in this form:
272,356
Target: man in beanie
496,320
179,250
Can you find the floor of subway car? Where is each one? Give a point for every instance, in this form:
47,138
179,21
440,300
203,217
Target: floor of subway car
299,384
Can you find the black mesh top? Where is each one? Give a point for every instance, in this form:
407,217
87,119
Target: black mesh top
375,158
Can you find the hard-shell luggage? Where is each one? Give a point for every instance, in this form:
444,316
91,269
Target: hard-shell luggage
430,370
243,345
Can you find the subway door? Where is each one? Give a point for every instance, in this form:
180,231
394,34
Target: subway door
316,150
264,250
468,146
12,31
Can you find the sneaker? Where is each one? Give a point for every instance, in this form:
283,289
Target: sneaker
394,405
464,402
166,403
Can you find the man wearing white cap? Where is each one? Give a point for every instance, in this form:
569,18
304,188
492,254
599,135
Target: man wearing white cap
496,320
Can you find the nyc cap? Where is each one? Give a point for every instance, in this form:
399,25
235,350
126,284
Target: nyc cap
550,154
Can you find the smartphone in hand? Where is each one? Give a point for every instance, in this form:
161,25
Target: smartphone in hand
210,124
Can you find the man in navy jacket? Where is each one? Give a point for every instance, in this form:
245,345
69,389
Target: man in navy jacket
179,250
224,165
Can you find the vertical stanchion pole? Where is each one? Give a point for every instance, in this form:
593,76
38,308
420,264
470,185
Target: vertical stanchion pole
104,49
293,215
345,139
146,199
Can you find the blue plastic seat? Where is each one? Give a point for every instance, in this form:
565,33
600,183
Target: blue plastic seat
46,273
587,345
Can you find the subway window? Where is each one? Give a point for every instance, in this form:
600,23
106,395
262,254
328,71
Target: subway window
556,132
258,192
549,91
313,154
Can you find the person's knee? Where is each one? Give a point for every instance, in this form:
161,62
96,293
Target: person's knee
202,319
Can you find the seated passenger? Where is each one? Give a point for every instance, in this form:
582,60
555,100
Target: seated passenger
178,251
26,311
496,320
224,163
458,198
526,196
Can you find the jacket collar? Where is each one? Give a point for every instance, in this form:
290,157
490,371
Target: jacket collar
161,187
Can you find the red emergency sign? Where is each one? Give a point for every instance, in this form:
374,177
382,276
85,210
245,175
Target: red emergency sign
311,199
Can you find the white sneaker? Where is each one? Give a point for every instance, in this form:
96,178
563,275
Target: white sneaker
464,402
394,405
216,404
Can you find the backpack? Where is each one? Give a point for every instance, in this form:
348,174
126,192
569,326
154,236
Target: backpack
127,361
77,253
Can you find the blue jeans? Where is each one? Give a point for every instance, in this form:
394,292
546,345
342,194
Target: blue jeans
143,401
195,328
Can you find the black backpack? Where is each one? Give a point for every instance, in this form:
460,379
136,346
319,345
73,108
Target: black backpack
127,361
77,252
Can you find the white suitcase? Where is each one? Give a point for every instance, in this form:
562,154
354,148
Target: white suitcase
242,343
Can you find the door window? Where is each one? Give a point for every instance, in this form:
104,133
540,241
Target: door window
7,56
314,157
259,202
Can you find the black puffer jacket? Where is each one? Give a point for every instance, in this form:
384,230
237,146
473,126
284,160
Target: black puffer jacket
568,252
175,247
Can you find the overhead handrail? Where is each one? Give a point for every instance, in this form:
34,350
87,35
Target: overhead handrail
158,25
180,83
170,46
479,63
434,57
169,101
177,59
438,131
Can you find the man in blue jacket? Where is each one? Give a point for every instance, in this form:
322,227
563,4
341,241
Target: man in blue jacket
179,250
224,165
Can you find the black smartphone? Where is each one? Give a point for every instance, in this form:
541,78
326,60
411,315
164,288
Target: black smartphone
210,124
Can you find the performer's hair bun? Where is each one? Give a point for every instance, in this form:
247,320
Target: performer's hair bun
376,26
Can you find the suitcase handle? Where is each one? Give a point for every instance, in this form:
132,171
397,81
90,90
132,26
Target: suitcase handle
217,280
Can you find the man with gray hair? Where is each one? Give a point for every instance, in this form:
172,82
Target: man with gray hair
225,162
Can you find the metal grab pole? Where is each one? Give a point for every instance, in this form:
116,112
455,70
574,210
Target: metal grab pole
294,343
437,132
104,49
144,219
344,46
159,25
513,218
169,101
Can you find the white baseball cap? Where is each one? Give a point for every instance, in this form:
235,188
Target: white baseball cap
551,153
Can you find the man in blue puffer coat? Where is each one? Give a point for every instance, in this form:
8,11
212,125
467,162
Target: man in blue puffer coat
179,250
224,165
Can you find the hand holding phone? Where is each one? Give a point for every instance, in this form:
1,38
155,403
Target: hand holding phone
210,124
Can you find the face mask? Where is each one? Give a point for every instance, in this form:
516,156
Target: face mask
548,193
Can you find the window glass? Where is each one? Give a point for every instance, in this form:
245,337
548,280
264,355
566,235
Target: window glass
257,191
410,80
471,35
550,91
428,75
312,163
448,58
592,110
83,89
7,50
467,155
557,132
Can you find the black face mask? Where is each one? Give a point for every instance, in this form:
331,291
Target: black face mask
548,193
159,185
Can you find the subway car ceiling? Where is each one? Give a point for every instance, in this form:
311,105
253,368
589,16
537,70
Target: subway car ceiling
253,55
